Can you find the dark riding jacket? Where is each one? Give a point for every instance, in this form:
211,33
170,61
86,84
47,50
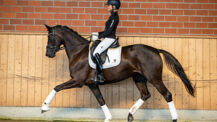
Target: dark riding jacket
110,26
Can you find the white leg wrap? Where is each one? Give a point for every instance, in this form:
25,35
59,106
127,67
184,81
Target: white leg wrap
173,110
136,106
50,97
45,105
107,113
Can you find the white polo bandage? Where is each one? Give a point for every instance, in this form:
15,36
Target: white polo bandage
50,97
45,107
136,106
173,110
106,112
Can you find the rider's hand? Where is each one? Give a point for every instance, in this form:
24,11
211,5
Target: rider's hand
95,36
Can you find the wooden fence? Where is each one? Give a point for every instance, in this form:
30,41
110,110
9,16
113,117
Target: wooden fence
27,75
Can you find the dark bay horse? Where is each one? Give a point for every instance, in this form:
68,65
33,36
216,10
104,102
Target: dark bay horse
141,62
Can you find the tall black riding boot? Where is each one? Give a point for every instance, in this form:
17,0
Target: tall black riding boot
99,69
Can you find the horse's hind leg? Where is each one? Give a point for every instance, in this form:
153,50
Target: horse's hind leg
140,82
69,84
159,85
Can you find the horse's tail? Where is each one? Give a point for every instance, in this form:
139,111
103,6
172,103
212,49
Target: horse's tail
174,66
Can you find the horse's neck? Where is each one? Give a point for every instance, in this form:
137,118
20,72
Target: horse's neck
74,50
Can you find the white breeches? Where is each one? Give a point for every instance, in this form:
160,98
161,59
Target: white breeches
105,44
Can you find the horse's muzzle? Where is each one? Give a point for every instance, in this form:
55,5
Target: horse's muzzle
51,51
50,55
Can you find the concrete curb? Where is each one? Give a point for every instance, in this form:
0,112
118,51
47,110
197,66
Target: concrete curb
34,113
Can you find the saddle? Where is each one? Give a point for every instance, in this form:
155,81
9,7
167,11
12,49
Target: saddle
110,57
103,55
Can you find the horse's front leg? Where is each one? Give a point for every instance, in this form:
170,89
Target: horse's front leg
97,93
67,85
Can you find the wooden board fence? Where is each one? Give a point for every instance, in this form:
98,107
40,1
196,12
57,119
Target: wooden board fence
27,75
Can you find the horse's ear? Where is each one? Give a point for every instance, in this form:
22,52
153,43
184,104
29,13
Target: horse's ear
48,27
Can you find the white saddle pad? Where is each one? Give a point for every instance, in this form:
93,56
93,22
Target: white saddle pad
113,59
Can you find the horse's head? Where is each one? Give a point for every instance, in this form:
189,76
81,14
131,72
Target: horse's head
54,42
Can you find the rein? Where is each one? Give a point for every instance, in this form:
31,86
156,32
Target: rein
62,48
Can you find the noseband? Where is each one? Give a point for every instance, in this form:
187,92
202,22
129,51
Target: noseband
53,48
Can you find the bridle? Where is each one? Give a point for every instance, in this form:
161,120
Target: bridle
56,49
51,47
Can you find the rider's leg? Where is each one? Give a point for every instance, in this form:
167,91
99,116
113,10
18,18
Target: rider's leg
99,69
105,44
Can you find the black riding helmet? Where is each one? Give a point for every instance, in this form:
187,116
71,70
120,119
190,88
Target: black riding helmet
116,3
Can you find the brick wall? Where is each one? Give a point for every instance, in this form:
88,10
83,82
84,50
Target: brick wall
170,17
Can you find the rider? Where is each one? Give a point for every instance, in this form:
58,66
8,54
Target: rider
109,37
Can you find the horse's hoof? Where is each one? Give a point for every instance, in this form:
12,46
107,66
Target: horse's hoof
43,111
44,108
130,117
175,120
